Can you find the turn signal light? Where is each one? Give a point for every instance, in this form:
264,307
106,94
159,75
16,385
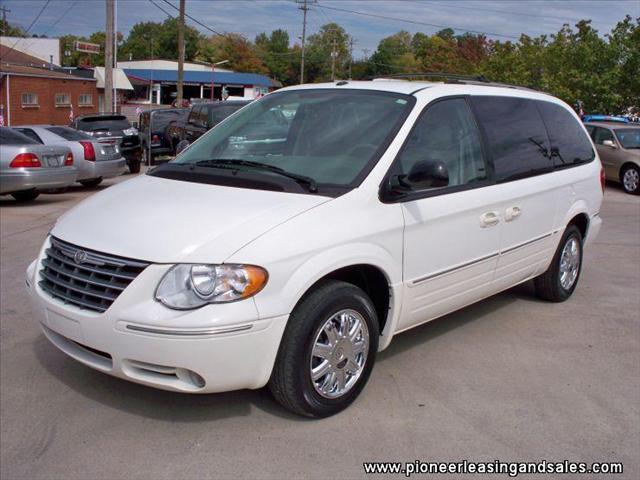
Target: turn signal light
68,160
25,160
89,152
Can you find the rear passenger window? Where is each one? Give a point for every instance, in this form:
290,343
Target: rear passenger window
516,136
30,133
569,143
602,134
446,133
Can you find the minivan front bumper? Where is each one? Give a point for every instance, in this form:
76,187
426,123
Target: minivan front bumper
212,349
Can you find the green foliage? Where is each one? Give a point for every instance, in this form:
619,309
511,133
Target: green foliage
148,40
9,30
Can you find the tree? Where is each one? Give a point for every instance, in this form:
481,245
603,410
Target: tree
331,37
234,47
395,55
9,30
274,52
148,40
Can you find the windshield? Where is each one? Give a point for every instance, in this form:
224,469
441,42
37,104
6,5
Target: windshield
332,137
113,122
69,133
12,137
628,137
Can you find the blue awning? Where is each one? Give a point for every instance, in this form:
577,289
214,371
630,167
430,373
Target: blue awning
226,78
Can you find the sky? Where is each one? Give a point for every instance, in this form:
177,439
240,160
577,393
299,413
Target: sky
499,19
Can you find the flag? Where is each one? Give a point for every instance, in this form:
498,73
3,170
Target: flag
71,114
1,115
138,111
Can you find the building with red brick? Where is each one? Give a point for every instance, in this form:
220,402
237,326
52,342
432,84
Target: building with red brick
33,92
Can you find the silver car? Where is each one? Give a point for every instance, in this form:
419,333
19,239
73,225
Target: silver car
618,146
27,167
94,160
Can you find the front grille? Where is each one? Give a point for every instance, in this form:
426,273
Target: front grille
85,278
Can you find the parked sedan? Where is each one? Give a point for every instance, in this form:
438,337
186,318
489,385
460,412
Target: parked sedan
115,129
94,160
618,146
27,167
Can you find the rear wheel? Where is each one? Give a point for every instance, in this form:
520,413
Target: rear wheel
94,182
327,351
561,278
630,179
26,195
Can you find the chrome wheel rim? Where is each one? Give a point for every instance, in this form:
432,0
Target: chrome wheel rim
631,179
339,353
569,263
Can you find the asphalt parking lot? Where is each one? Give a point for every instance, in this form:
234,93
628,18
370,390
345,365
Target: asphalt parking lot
511,378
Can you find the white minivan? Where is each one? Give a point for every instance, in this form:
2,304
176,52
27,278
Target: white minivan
289,244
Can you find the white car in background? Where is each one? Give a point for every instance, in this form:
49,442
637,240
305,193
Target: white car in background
94,161
290,256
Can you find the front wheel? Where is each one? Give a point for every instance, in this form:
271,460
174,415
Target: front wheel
327,351
630,178
561,278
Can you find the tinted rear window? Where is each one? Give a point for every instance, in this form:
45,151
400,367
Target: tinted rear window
162,119
216,115
11,137
516,136
115,122
69,133
569,143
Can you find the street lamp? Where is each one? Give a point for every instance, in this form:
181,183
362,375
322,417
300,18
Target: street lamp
213,66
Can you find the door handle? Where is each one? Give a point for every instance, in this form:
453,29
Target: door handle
512,213
489,219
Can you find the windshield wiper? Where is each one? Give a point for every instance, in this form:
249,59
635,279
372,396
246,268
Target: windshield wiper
233,162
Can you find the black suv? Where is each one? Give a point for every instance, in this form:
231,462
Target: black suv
113,128
154,129
204,116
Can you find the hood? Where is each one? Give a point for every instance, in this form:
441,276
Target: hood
169,221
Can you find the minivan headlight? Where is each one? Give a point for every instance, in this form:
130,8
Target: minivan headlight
188,286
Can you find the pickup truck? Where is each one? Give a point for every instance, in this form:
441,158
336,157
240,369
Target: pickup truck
156,129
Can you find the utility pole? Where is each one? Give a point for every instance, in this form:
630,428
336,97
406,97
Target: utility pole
351,42
180,54
115,54
304,7
334,54
4,19
108,58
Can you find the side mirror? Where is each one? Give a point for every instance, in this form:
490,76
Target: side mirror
182,146
426,174
609,143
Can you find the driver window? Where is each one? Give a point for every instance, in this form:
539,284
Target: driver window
446,133
601,135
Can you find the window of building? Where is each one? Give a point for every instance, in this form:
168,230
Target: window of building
29,100
63,99
516,136
85,100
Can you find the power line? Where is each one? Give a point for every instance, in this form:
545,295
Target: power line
415,22
159,7
194,20
32,23
522,14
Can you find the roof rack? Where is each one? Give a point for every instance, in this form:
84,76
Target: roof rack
456,78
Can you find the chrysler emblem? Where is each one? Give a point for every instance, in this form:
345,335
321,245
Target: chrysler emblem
80,256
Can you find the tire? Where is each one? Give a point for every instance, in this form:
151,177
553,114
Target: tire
26,195
550,285
291,380
630,179
134,166
91,183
